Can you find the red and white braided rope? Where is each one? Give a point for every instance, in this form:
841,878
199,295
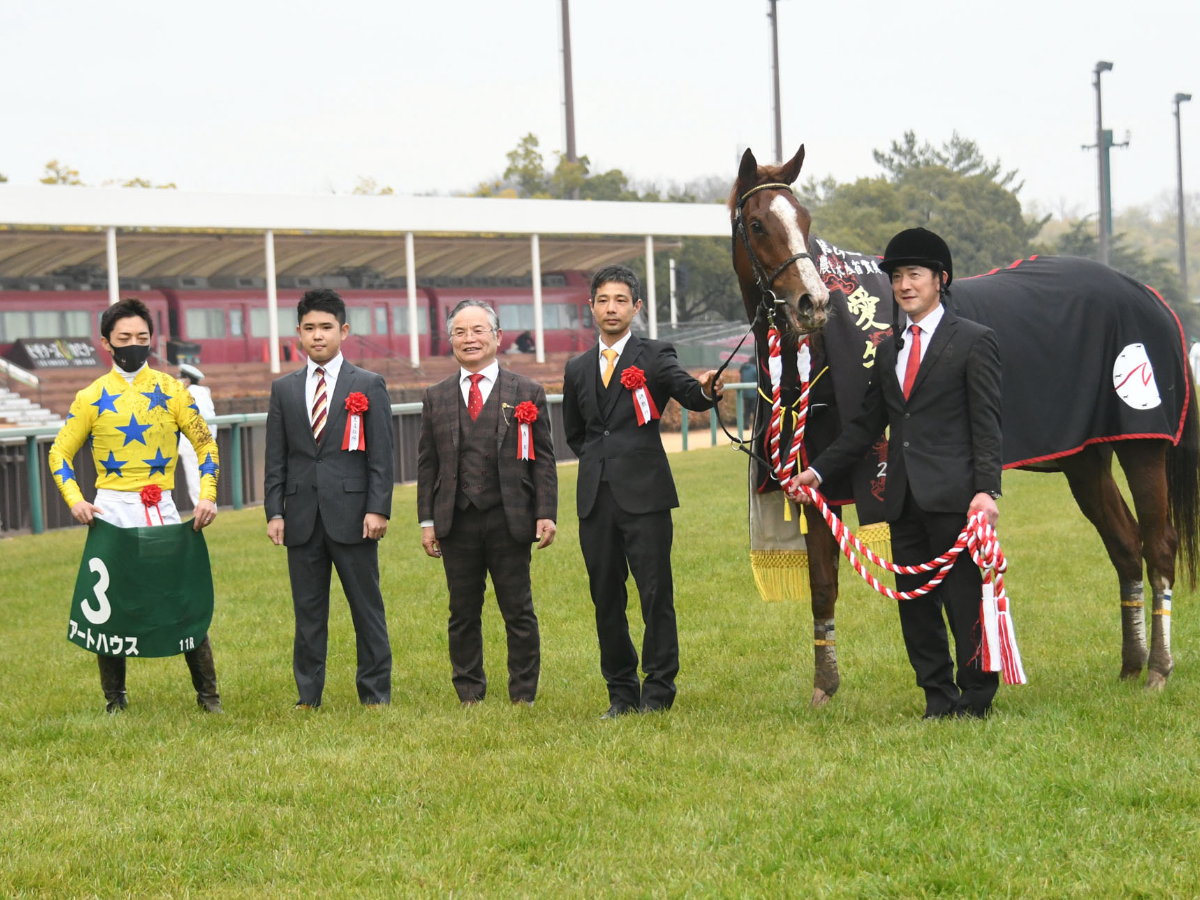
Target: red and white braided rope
999,646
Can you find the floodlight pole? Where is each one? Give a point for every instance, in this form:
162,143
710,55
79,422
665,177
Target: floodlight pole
568,89
671,282
1183,274
773,15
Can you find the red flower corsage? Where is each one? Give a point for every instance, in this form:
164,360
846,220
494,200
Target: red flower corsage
355,437
151,494
357,402
526,414
634,379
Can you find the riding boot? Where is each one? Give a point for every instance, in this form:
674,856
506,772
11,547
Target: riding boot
112,682
204,676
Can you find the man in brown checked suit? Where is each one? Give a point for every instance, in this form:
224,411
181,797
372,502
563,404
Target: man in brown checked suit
487,487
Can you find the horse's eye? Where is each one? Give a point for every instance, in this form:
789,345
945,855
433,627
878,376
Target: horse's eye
757,227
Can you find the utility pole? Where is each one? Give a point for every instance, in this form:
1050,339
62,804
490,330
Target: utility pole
773,15
1181,98
568,89
1102,156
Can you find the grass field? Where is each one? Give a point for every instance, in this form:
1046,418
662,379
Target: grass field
1078,786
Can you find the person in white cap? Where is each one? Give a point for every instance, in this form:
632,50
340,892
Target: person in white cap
202,397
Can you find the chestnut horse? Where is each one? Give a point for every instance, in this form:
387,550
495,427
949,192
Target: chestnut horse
780,284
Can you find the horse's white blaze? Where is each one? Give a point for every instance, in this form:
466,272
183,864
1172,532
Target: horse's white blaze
813,285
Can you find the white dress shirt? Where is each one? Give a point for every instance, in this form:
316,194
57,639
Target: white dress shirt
928,326
619,346
332,368
490,373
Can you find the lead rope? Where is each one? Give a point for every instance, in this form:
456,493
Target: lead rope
999,650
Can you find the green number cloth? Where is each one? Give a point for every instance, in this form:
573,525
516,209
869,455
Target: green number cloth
142,591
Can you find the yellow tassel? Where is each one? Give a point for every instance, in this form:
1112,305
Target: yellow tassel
877,537
803,521
787,511
780,574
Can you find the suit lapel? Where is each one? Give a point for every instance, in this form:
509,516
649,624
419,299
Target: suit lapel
631,355
589,363
297,386
337,403
941,337
506,388
447,398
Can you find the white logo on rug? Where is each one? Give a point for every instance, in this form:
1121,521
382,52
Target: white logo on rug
1133,378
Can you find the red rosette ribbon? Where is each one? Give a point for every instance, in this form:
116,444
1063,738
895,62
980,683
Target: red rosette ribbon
633,379
151,494
526,414
355,437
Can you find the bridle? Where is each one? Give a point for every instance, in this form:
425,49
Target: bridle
766,283
768,304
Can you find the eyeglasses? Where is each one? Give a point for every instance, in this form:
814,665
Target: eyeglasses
477,332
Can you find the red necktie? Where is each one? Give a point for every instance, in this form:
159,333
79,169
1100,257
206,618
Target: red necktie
914,361
320,407
475,397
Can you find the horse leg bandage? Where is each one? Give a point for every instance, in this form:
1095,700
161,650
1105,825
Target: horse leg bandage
1160,643
1134,652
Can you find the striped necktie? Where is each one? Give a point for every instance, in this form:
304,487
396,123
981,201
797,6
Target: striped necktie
320,407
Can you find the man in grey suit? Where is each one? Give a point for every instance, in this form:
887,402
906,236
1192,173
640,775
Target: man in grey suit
487,487
328,496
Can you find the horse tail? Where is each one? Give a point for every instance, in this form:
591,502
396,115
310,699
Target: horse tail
1183,487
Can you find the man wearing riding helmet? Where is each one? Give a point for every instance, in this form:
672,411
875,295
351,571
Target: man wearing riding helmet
936,386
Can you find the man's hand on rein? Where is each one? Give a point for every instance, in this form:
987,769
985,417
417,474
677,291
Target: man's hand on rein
985,504
807,478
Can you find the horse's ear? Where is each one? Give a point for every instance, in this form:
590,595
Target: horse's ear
748,172
791,170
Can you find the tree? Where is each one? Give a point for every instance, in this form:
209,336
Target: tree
140,183
705,284
526,167
954,191
369,187
60,173
3,178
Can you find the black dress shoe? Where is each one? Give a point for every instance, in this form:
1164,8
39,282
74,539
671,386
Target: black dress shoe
306,707
615,711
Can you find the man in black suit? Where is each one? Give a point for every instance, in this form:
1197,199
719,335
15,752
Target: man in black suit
328,496
625,492
938,389
487,487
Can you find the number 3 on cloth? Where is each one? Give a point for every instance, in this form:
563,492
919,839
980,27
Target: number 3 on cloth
100,615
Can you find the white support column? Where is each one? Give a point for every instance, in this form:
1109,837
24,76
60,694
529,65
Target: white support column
651,294
410,278
674,311
114,277
272,305
539,343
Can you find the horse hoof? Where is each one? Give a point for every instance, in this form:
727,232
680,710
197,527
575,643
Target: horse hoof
819,698
1129,673
1155,681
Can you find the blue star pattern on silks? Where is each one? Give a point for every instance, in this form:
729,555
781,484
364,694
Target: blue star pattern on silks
106,403
157,397
208,467
133,431
159,462
112,465
70,415
66,473
193,405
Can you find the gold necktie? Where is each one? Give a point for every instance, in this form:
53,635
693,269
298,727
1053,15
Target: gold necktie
610,359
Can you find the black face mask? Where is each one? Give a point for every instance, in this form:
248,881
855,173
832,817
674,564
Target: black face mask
131,357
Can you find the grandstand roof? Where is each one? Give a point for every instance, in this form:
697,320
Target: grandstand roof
47,228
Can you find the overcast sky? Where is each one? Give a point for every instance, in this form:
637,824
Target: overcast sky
428,96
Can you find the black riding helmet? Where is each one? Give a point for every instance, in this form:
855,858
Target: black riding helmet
916,247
